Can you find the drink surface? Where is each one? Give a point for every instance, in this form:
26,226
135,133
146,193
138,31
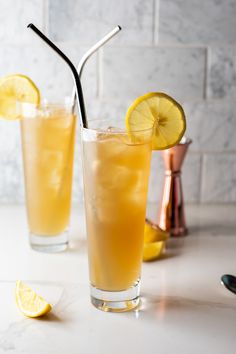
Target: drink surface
116,180
48,149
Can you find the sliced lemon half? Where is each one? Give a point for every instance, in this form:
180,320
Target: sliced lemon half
161,112
152,251
28,302
13,89
153,233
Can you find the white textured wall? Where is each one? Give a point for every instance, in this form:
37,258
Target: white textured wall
184,47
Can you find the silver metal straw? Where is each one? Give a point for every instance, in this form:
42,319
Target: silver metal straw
79,91
88,54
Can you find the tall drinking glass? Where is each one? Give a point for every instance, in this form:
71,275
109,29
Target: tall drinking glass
116,170
48,134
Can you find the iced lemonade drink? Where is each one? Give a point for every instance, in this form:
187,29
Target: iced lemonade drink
116,166
116,171
48,134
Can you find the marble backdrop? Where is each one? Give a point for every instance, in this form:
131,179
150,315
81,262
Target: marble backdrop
184,47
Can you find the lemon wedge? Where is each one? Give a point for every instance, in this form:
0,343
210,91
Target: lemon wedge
161,112
152,251
13,89
153,233
28,302
154,241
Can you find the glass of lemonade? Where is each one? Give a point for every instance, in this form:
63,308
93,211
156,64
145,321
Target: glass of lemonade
116,169
48,134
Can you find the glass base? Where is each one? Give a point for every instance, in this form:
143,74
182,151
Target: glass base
116,301
49,244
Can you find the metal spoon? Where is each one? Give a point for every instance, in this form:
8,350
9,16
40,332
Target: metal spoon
229,281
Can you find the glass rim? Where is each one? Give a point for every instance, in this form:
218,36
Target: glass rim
113,131
27,110
44,104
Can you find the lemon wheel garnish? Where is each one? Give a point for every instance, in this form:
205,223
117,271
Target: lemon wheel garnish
13,89
161,112
28,302
152,251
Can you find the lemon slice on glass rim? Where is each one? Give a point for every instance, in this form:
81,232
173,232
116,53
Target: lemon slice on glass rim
14,89
161,112
29,303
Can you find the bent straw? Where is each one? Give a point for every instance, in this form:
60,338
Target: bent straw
88,54
79,92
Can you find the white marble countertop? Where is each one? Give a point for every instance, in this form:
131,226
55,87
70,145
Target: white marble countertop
184,309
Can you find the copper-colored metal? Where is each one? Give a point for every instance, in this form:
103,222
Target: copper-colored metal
171,214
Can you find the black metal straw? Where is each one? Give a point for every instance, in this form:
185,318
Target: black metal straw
79,92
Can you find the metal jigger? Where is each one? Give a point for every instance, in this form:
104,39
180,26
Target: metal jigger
171,215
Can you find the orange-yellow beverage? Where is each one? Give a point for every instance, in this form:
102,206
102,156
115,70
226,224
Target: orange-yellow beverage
116,172
48,148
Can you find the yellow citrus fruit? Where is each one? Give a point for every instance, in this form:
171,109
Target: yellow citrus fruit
153,233
14,89
28,302
153,250
161,112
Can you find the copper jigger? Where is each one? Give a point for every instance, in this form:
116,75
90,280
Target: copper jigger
171,215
